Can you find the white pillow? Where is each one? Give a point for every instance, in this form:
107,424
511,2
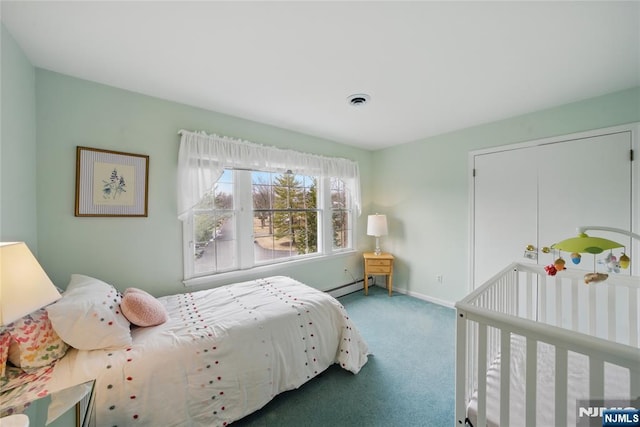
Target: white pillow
88,316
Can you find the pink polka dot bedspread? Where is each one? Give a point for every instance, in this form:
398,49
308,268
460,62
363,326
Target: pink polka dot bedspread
223,353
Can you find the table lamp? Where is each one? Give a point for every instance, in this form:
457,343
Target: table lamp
24,286
377,226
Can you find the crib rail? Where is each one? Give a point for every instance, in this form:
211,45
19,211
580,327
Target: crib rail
599,321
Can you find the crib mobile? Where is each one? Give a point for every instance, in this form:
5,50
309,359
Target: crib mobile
592,245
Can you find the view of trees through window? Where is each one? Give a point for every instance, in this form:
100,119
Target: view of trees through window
214,228
340,214
285,213
285,220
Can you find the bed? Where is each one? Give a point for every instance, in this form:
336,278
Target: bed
572,349
221,354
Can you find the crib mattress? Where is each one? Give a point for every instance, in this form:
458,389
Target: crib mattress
616,386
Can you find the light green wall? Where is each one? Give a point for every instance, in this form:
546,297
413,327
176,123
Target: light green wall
17,145
142,252
18,164
423,188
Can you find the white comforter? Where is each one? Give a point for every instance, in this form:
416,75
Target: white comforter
223,354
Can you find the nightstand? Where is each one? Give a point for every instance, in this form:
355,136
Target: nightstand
41,410
378,265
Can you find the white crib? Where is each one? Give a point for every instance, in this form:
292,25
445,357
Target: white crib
568,344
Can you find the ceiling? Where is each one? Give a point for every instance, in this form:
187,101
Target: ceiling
429,67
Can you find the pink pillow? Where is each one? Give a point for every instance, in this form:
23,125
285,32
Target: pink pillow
142,309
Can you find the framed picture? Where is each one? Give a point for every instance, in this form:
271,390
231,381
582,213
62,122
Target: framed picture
111,183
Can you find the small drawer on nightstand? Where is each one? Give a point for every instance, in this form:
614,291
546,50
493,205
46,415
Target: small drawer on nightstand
377,262
379,269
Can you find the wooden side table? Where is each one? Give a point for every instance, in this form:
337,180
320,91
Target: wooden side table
378,265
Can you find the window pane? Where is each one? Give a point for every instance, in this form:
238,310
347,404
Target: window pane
340,214
215,243
268,246
340,221
305,234
262,190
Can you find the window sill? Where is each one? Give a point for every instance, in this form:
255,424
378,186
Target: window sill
220,279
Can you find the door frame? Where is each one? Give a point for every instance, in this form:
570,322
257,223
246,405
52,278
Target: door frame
633,128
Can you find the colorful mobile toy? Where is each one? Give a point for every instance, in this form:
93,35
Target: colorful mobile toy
592,245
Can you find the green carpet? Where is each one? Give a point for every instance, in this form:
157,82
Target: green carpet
408,380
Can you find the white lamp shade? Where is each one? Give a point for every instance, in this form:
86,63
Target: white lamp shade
377,225
15,420
24,286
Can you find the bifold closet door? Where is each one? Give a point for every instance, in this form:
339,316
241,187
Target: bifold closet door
584,182
505,210
539,195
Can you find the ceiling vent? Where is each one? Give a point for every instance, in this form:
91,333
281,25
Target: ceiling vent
359,99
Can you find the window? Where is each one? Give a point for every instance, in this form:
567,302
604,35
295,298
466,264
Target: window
285,222
245,206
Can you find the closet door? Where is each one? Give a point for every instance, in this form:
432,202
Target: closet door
505,210
539,194
584,182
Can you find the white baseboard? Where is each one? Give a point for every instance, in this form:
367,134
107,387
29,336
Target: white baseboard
423,297
347,289
358,286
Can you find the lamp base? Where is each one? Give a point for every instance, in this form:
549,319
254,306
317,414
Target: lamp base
378,251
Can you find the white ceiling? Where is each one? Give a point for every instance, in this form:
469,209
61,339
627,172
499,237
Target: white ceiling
429,67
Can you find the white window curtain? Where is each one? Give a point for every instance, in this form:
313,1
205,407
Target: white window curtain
202,159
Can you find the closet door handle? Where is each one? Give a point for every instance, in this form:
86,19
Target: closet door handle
530,252
544,249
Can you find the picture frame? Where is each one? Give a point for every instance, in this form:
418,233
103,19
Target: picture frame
111,183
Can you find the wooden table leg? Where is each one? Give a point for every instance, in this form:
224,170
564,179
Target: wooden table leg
390,284
366,284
